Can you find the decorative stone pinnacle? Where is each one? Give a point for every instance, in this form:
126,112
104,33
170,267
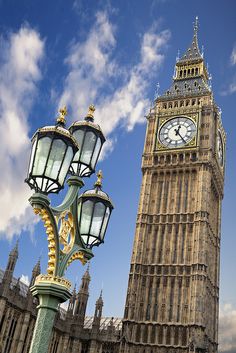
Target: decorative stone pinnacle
61,118
99,179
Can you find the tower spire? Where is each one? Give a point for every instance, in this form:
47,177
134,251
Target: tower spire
195,27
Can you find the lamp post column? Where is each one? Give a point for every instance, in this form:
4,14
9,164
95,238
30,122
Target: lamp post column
50,291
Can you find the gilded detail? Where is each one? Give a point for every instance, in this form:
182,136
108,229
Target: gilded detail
51,239
67,231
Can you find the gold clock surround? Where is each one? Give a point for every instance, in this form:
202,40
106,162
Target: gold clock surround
191,144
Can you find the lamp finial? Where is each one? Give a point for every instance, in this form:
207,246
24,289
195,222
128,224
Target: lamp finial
61,118
90,114
99,179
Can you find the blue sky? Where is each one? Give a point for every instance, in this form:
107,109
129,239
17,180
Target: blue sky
112,54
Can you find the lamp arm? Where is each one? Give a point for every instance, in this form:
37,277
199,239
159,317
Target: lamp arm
77,253
75,183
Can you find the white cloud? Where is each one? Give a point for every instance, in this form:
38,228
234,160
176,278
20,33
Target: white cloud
25,279
19,71
227,329
232,86
233,56
120,94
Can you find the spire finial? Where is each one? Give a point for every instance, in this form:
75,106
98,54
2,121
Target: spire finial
196,25
99,179
61,118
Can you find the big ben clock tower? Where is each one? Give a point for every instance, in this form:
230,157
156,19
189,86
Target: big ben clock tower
173,290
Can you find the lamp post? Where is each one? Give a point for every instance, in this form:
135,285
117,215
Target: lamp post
78,223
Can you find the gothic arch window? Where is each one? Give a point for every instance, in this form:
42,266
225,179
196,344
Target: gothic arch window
181,73
192,71
188,72
196,71
137,333
170,105
184,73
160,335
187,102
181,103
153,334
184,336
176,336
176,104
10,336
145,334
168,335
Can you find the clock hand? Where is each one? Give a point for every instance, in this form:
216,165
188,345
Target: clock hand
181,137
178,133
177,130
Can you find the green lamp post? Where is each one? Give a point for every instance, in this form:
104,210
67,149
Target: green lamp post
78,223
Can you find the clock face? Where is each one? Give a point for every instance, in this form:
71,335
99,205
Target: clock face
177,132
220,149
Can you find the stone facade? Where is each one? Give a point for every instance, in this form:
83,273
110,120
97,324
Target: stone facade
173,290
73,332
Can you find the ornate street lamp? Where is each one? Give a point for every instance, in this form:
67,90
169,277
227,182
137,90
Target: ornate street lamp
78,223
90,139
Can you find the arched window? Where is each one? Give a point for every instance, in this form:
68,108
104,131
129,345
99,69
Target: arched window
176,336
145,334
153,334
137,333
160,335
168,335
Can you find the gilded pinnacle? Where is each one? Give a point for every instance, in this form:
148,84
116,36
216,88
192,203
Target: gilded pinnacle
91,111
99,179
61,118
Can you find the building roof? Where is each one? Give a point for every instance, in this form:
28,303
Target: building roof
187,87
22,286
105,322
193,52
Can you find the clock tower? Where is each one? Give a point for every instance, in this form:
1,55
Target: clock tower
173,289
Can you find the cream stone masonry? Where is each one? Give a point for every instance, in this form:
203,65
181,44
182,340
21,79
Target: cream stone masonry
173,289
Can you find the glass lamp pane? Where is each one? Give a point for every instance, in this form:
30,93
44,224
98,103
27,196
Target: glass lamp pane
66,164
86,214
89,142
41,155
106,218
79,136
98,214
32,155
96,153
55,159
